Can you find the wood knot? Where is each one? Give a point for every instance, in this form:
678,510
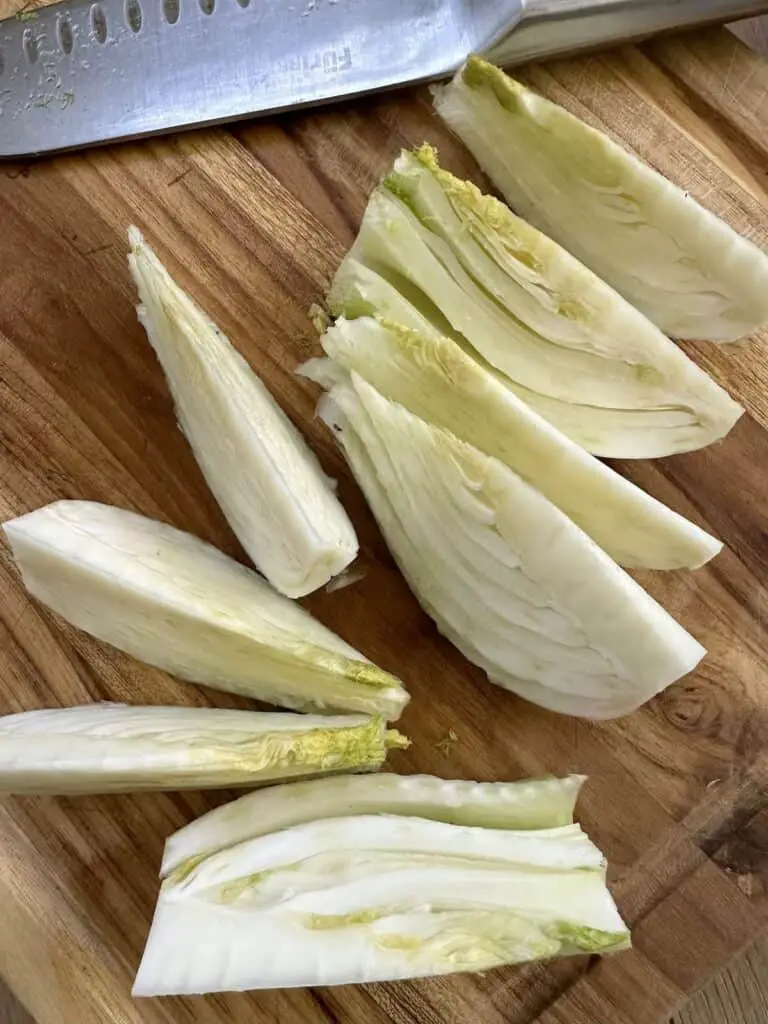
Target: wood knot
691,708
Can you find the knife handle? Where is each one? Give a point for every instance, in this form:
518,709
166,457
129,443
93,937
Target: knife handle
552,27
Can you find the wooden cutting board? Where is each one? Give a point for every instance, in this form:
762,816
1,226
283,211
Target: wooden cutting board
253,221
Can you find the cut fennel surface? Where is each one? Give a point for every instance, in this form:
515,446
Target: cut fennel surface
372,897
269,484
687,270
565,342
112,748
525,805
507,577
434,378
173,601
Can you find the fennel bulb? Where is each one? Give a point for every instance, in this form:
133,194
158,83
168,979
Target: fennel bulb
683,267
566,343
260,469
371,897
507,577
114,748
171,600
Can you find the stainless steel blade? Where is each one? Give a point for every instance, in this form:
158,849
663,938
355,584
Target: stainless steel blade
85,72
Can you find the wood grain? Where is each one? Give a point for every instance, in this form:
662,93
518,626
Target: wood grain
253,221
739,996
11,1010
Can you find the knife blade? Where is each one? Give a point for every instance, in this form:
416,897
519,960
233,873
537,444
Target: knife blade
88,71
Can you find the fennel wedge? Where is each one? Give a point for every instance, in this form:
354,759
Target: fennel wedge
687,270
528,804
372,897
507,577
173,601
434,378
260,469
113,748
566,343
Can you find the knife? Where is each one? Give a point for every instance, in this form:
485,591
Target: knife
89,71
